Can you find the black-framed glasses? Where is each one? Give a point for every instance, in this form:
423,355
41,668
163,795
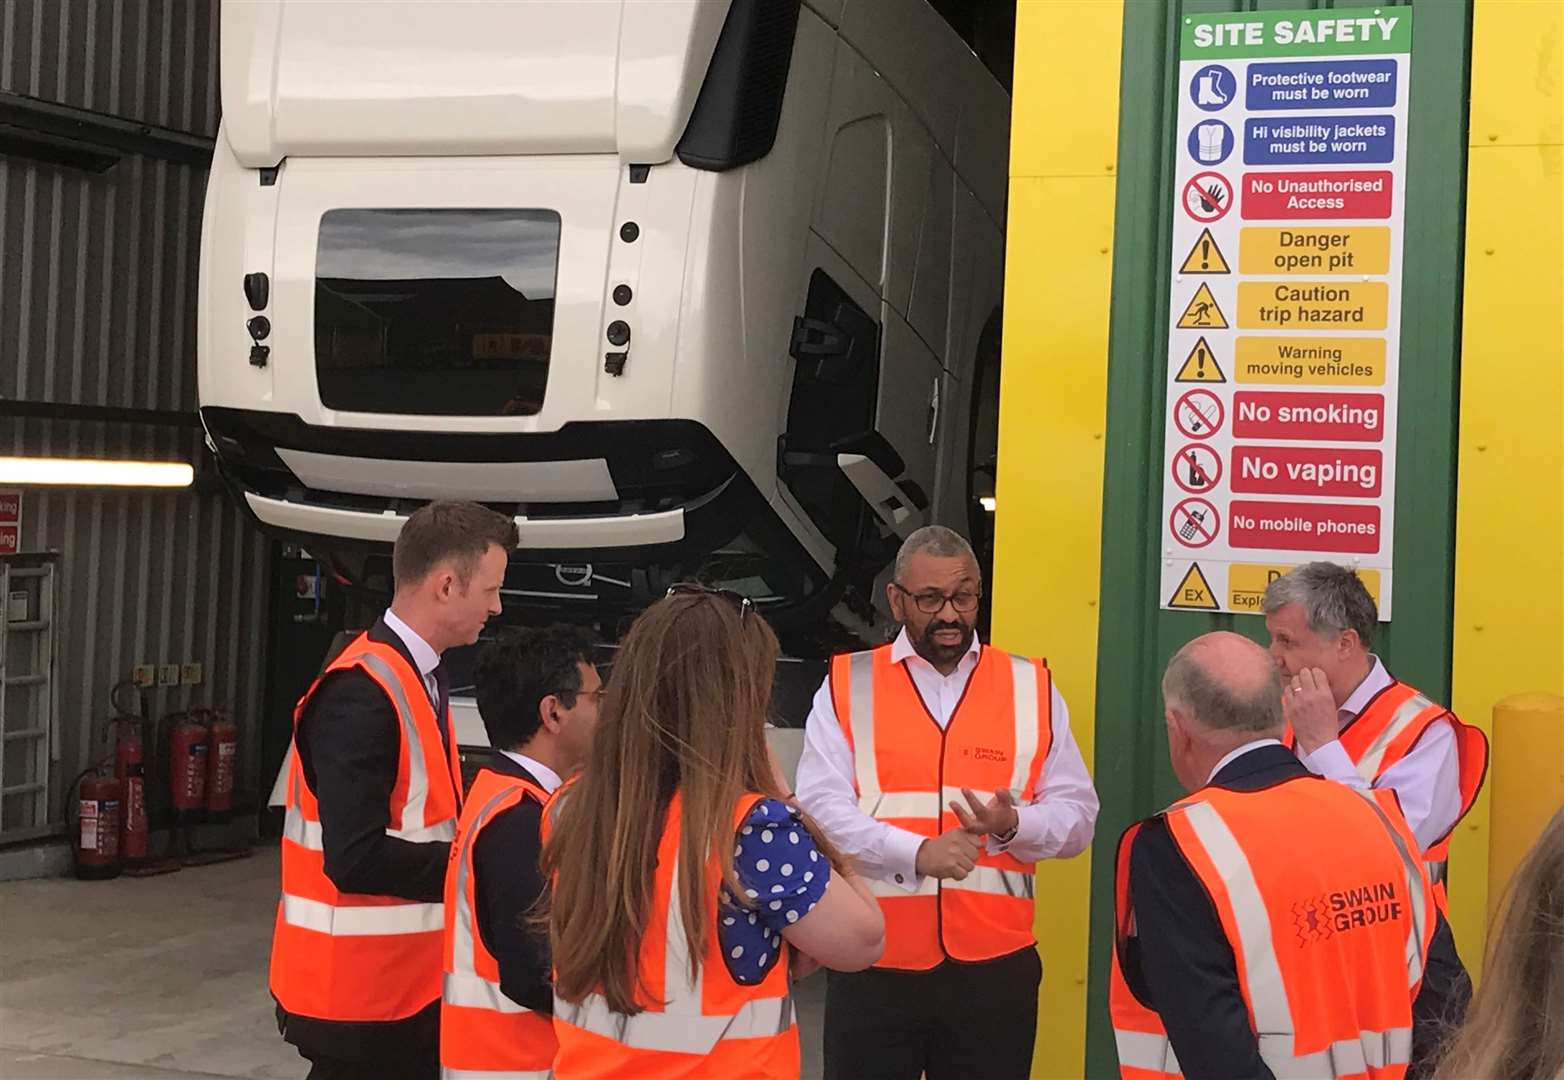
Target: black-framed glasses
741,603
932,603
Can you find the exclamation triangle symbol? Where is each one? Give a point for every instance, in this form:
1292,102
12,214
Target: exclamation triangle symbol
1200,366
1205,257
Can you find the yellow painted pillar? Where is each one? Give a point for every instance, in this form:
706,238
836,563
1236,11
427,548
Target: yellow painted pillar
1053,408
1527,772
1509,561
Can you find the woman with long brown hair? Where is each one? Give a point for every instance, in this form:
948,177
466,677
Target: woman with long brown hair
685,886
1514,1029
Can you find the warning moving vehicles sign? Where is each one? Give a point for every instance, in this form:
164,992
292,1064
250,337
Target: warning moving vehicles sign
1284,315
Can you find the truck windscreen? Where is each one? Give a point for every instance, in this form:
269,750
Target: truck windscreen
446,312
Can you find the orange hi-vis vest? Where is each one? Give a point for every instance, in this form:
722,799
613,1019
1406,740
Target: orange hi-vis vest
484,1035
907,771
1323,896
350,956
706,1026
1386,731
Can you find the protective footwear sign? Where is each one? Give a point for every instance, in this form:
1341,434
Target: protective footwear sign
1284,306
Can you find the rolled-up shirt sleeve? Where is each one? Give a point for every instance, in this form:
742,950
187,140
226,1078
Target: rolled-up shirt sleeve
826,791
1060,820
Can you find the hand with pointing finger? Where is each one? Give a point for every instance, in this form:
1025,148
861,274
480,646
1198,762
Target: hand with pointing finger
1310,707
998,818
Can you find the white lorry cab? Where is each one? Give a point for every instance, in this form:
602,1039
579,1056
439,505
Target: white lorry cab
691,288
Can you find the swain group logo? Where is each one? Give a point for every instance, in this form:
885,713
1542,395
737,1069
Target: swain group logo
1323,917
987,753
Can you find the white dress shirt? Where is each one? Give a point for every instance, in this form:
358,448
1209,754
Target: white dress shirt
1058,822
546,777
1427,780
424,656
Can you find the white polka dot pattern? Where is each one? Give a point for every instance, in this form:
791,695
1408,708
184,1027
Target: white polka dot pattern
781,892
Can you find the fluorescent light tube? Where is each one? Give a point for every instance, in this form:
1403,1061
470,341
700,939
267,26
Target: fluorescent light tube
87,472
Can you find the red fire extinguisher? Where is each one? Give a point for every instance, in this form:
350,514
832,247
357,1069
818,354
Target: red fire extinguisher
97,837
131,772
187,756
221,758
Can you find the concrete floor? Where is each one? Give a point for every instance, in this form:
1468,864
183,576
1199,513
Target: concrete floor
164,977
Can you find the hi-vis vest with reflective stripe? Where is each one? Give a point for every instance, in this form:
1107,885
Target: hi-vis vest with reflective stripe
907,771
1324,899
350,956
484,1035
708,1026
1386,731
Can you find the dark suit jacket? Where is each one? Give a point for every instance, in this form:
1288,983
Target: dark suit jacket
506,887
1182,965
347,742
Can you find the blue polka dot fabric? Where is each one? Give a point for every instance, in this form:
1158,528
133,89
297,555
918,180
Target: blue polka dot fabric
783,876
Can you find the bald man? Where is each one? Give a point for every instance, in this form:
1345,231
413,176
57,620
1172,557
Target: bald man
1319,887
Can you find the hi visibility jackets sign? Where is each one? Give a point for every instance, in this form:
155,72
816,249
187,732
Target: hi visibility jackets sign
1284,313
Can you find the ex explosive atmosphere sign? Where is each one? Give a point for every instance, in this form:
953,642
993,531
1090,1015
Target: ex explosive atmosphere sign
1285,312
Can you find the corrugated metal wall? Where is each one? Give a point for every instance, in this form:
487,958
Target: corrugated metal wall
97,307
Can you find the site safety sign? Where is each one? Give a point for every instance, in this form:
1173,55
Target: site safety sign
1284,317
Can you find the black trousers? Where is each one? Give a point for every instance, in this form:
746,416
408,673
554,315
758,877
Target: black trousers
955,1022
398,1050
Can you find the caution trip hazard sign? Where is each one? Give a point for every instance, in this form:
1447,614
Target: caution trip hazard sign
1283,348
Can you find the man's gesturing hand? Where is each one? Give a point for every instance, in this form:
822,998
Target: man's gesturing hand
998,818
952,854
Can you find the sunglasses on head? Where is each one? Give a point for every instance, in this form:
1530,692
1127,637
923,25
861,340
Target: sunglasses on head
743,604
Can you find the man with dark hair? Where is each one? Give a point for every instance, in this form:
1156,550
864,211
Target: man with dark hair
538,695
1270,923
374,788
900,741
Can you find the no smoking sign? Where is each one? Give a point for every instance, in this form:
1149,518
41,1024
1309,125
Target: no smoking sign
1199,414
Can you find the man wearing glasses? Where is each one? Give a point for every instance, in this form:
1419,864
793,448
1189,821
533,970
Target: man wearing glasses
538,693
946,769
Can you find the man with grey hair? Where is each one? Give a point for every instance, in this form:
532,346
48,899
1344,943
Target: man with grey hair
899,744
1319,888
1352,722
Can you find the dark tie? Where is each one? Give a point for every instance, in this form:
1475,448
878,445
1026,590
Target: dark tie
442,701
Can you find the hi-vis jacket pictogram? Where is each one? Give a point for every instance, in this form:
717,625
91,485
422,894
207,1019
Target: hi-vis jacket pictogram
708,1026
1386,731
1329,929
484,1035
350,956
907,771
